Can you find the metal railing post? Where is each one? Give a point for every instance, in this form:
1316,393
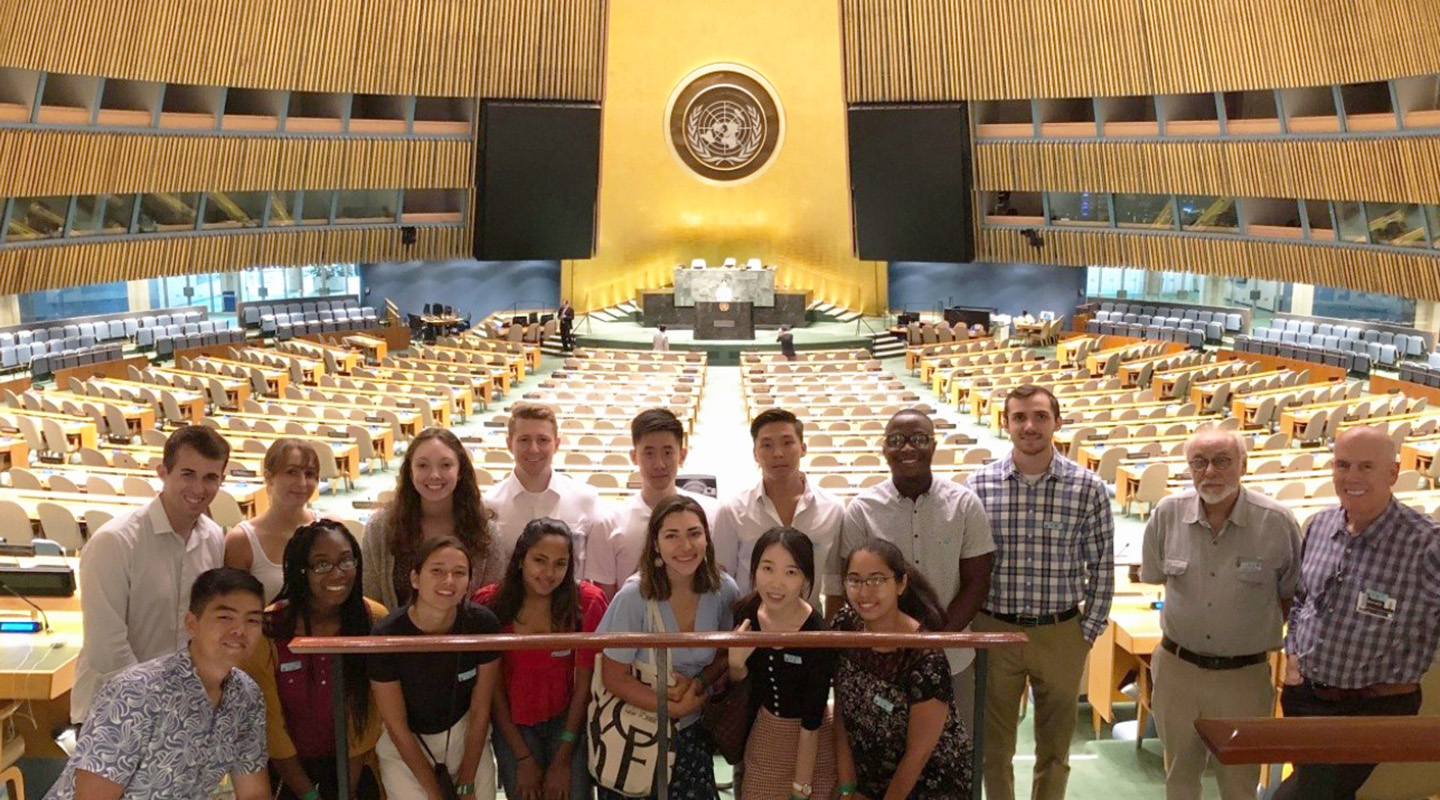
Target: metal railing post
662,722
977,725
342,734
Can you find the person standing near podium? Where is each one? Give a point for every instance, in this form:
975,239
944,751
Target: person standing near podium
787,342
567,324
662,341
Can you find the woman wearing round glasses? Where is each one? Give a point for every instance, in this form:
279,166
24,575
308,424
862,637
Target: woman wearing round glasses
897,736
320,597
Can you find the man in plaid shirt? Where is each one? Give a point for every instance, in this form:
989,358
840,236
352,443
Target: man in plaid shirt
1053,579
1366,618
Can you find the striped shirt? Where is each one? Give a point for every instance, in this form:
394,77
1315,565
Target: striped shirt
1367,610
1054,540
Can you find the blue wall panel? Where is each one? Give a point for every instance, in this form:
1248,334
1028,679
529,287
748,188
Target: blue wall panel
470,287
1008,288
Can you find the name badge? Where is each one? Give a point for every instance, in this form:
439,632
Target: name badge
1373,603
559,653
1053,526
291,666
1250,564
791,658
468,674
888,706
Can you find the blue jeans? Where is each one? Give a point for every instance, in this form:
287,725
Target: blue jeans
542,740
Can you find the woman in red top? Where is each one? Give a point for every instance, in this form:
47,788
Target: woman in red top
539,718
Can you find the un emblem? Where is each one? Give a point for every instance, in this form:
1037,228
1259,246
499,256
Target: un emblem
724,123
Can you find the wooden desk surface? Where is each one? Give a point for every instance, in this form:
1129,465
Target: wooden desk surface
41,666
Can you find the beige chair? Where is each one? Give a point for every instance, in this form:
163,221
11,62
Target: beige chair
58,524
225,510
1409,481
123,460
1109,461
329,468
1314,432
834,481
1151,488
90,457
94,518
1271,467
22,478
96,485
1294,490
603,480
1275,441
60,483
976,455
153,438
14,523
136,486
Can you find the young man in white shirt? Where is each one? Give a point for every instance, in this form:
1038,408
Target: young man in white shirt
783,497
657,450
661,342
534,489
136,570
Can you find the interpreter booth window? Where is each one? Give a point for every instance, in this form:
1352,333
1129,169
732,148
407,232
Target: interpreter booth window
1432,218
1356,305
284,209
234,209
1145,211
1087,209
1024,209
166,212
1350,217
316,206
373,206
1396,224
1206,214
33,218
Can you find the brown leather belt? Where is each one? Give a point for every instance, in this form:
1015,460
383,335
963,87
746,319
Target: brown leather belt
1036,620
1335,694
1213,662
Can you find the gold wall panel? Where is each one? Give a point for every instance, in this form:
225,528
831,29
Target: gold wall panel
999,49
26,269
655,213
1410,275
457,48
99,163
1398,169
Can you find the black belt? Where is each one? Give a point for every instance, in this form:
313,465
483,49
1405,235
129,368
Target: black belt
1213,662
1036,620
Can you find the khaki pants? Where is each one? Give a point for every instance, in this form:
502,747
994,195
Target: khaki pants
1184,693
1053,662
400,782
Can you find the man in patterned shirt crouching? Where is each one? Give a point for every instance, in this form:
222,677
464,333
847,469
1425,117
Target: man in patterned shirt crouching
1366,618
1054,578
172,727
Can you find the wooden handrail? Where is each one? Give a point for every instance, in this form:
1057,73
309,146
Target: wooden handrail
1322,740
599,641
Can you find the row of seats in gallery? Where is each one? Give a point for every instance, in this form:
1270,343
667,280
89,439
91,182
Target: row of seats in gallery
166,340
1186,332
1230,321
1324,334
270,317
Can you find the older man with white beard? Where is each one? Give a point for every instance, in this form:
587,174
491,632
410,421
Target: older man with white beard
1229,558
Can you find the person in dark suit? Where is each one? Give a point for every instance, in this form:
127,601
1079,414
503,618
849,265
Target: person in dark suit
787,342
567,322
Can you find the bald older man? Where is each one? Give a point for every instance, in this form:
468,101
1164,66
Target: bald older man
1228,558
1366,619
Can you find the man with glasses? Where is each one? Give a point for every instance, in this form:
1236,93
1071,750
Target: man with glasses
939,525
1054,579
1228,557
1366,619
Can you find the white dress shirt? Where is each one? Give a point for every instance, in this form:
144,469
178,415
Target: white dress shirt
619,557
135,579
747,515
935,531
573,502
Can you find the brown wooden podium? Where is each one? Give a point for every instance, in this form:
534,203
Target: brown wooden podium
729,320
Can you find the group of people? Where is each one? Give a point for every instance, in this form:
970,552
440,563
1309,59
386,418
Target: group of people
187,672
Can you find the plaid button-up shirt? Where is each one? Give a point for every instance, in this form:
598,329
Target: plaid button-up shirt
1367,610
1054,541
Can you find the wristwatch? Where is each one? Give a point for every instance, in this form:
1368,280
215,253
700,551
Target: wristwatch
801,789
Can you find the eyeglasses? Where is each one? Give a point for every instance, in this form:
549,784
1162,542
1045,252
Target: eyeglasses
346,564
919,441
873,581
1219,462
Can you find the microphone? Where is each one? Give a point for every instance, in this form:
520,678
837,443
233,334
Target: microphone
27,601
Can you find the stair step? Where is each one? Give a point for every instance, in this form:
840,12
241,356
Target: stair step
850,316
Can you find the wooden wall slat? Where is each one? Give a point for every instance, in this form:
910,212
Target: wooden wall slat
1395,169
998,49
541,49
124,162
33,268
1410,275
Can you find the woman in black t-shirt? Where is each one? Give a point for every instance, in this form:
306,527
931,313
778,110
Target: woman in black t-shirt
791,748
436,706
